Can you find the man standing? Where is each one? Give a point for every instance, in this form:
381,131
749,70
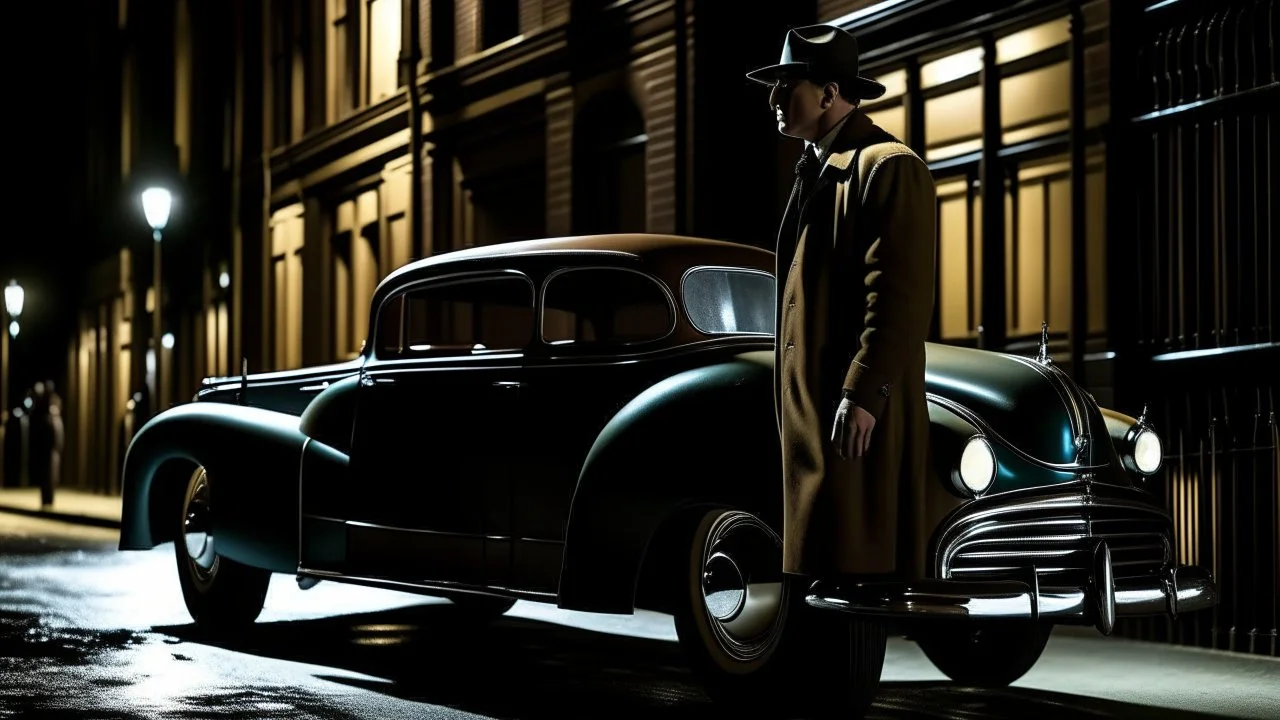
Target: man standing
856,276
856,284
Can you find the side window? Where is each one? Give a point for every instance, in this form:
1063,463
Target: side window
464,317
727,300
603,306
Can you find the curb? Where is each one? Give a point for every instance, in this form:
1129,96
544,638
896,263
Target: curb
64,517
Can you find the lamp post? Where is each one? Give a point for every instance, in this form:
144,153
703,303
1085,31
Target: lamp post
156,203
14,299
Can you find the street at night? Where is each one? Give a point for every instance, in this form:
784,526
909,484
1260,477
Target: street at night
90,632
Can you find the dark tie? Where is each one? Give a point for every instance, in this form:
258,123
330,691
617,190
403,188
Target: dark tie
807,169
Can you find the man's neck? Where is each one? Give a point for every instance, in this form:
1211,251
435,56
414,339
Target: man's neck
828,134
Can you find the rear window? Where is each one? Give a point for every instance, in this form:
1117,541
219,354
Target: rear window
605,306
730,300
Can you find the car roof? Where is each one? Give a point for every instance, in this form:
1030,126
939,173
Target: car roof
661,248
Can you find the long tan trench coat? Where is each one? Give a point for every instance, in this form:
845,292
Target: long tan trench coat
854,311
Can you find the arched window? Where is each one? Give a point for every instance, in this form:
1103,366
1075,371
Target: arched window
609,166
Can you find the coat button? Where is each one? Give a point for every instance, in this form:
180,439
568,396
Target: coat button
884,390
791,346
791,304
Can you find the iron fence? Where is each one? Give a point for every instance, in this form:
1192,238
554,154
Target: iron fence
1202,291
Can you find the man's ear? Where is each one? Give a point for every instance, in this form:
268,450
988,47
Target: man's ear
830,92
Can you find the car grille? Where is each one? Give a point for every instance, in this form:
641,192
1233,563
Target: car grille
1055,533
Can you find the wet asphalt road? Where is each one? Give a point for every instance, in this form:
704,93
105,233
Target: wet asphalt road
89,632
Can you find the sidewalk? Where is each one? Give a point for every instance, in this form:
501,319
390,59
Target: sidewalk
75,506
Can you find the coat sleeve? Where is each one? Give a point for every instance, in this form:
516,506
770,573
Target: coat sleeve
899,280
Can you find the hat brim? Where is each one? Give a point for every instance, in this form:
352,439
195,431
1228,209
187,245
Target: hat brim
863,88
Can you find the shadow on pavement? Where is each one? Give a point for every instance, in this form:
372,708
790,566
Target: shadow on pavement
531,670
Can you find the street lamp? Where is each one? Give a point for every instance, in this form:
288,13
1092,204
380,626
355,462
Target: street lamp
156,203
14,300
14,297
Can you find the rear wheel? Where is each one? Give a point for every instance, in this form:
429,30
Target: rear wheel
993,654
751,639
219,593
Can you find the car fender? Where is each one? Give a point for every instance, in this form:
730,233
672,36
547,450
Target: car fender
252,457
704,437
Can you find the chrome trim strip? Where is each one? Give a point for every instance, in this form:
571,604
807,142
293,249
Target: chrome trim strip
745,343
1070,496
1186,588
428,586
362,524
1064,393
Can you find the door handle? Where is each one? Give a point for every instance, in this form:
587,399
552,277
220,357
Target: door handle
508,384
314,388
367,381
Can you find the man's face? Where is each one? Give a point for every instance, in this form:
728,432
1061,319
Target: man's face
798,106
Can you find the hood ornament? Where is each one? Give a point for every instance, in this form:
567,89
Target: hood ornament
1042,356
1082,449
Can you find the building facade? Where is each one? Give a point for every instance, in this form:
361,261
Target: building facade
1101,167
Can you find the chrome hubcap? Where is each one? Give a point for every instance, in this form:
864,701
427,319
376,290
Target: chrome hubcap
742,585
197,533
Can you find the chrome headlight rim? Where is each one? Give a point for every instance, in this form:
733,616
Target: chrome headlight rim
977,461
1129,457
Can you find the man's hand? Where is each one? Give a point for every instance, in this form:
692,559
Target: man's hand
852,430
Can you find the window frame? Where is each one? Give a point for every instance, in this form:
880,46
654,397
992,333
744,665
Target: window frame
684,303
374,346
673,311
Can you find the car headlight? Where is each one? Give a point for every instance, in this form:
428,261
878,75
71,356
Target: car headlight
977,465
1148,451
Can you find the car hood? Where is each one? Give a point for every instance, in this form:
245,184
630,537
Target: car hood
1031,407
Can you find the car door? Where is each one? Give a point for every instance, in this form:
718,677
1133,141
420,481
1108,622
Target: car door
431,447
598,326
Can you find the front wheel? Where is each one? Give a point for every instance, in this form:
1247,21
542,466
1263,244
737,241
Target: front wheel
993,654
220,593
750,637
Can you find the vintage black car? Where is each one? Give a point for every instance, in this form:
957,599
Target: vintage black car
589,422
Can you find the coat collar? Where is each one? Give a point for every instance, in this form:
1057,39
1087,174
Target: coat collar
858,131
855,133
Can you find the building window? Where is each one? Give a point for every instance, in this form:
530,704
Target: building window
599,306
282,49
499,21
953,104
286,287
888,110
383,44
344,57
1038,248
609,193
355,271
466,317
959,216
1035,82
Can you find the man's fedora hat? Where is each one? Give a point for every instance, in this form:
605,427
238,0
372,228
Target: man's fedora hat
824,53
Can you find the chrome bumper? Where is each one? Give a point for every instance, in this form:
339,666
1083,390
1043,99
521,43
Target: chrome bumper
1179,590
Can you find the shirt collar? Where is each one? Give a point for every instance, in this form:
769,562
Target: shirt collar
820,148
